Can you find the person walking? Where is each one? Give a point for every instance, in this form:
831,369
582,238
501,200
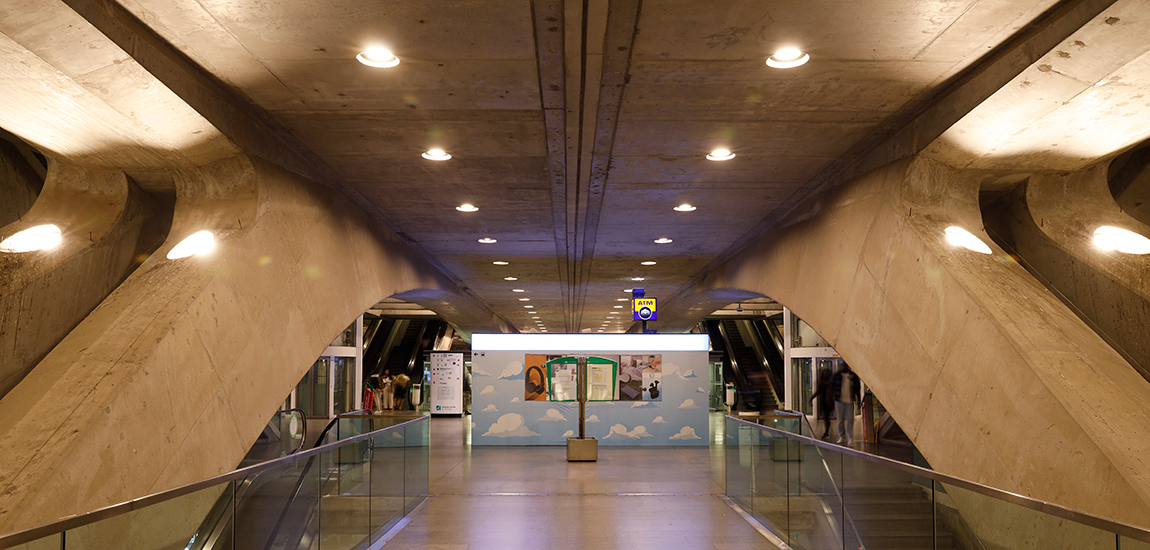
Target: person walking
823,401
844,389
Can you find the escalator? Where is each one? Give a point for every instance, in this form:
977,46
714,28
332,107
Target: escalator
747,361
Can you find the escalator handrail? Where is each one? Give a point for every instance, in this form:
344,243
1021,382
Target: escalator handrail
1057,510
80,520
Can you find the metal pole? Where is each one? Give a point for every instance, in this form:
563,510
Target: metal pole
581,377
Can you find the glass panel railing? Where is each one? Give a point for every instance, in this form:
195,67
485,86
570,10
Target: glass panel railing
342,496
814,495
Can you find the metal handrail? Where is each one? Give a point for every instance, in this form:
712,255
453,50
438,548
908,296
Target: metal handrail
80,520
1057,510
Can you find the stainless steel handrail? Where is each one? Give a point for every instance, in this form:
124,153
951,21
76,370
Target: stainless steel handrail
1056,510
34,533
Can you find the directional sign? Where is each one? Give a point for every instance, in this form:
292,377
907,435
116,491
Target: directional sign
643,309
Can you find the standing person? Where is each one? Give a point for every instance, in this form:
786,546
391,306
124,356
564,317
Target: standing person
402,384
823,401
387,390
845,390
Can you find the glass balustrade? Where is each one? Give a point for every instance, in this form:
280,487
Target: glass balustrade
345,495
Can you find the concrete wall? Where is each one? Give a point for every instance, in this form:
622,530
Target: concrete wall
107,224
171,379
966,350
18,184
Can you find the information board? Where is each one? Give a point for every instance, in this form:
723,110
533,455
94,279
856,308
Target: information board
447,383
564,373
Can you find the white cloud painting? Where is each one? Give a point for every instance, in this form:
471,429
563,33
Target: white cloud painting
686,433
510,425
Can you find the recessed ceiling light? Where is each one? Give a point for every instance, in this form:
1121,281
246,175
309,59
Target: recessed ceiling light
619,307
518,290
685,208
198,243
720,154
511,278
380,58
647,263
525,299
628,290
499,262
467,207
1108,237
661,240
488,240
529,306
960,237
621,300
534,316
436,154
40,237
638,279
787,58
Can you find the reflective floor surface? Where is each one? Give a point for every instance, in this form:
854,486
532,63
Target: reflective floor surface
532,498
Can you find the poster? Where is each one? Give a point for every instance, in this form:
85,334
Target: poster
640,377
601,376
564,376
447,383
535,377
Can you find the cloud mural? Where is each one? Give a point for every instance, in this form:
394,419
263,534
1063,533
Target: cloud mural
553,416
491,389
643,405
686,433
687,374
479,372
512,372
514,400
568,433
592,418
490,408
619,431
689,404
658,420
510,425
700,390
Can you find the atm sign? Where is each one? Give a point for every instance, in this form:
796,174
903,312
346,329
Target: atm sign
643,309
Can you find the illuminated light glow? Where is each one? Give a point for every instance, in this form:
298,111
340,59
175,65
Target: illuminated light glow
511,278
647,263
534,316
621,300
488,240
380,58
638,279
960,237
529,306
787,58
467,207
499,262
196,244
518,290
663,240
620,307
628,290
1109,237
719,155
684,208
525,299
437,155
591,342
41,237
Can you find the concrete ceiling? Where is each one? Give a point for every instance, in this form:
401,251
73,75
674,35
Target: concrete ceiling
576,127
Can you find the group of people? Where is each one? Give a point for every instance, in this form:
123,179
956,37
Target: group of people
388,392
838,393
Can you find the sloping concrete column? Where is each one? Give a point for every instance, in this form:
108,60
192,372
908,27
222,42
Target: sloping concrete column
107,223
172,377
991,376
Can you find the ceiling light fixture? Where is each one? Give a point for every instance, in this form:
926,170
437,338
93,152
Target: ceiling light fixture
41,237
436,154
1109,237
960,237
511,278
619,307
529,306
787,58
488,240
638,279
720,155
663,240
467,207
525,299
685,208
380,58
499,262
647,263
196,244
621,300
518,290
628,290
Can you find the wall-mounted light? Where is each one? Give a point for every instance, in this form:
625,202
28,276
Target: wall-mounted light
787,58
960,237
380,58
41,237
1109,237
196,244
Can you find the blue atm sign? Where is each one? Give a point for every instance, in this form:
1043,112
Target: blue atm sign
643,309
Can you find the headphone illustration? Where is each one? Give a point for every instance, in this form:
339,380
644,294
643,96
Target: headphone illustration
654,391
533,387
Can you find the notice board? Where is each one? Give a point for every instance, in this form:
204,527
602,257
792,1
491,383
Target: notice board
447,383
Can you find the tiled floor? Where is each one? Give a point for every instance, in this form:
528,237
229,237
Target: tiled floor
530,497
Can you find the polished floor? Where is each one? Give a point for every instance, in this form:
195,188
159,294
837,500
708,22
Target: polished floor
531,498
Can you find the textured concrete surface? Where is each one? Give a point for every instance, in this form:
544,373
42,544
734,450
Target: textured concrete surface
19,184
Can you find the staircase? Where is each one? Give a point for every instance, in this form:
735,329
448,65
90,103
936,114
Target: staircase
897,518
